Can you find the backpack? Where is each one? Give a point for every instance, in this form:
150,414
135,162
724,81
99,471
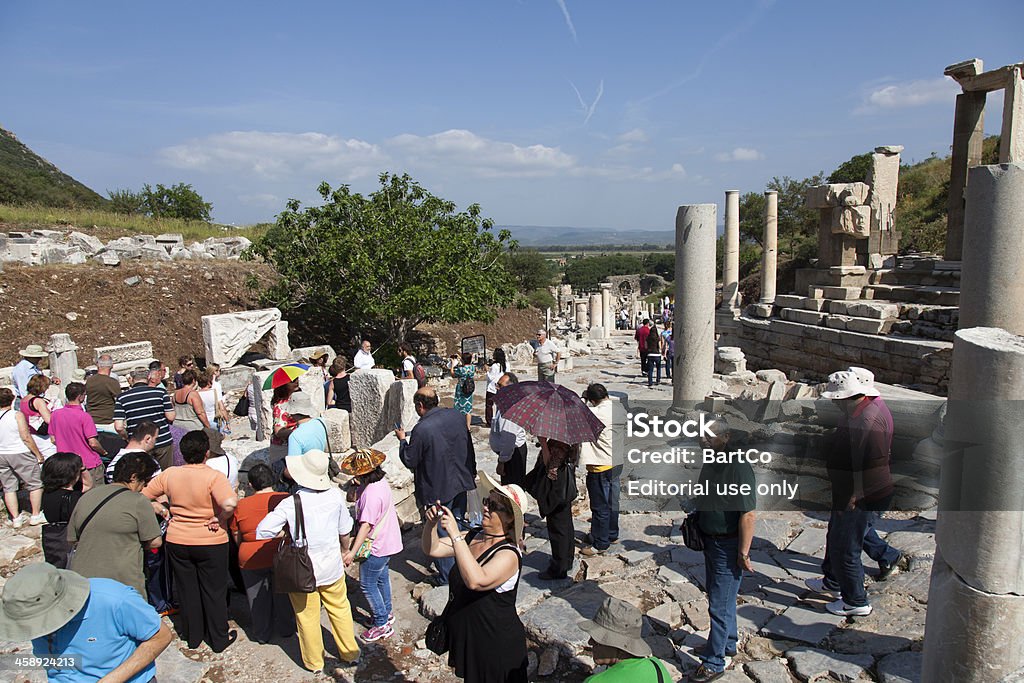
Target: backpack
467,386
418,373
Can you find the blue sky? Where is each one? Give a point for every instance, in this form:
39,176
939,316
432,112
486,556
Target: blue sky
545,112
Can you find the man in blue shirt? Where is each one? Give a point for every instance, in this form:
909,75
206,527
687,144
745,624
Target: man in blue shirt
91,628
26,367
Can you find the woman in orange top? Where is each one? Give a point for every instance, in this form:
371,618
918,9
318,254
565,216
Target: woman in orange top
201,503
270,611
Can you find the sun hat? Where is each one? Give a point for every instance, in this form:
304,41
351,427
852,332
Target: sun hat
363,461
216,441
33,351
39,599
318,354
847,383
310,469
513,493
618,624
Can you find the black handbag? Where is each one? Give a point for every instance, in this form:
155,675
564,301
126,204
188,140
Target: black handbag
437,634
293,570
242,407
693,537
551,494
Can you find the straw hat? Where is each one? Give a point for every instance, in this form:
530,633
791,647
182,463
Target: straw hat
363,461
513,493
39,599
848,383
33,351
618,624
310,470
318,354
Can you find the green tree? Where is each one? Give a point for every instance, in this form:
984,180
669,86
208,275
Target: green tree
752,217
797,223
855,170
660,263
586,273
529,269
177,201
125,201
386,262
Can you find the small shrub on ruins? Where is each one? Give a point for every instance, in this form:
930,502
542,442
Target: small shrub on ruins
541,298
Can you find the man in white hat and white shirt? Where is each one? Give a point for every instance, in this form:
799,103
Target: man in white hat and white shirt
26,367
862,488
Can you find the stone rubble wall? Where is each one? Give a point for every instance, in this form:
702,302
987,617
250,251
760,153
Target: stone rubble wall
50,247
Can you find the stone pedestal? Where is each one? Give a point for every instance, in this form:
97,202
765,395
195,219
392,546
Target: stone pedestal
608,317
277,341
63,357
694,327
596,311
731,262
369,389
992,279
770,244
581,314
883,179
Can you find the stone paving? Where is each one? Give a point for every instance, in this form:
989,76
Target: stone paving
786,634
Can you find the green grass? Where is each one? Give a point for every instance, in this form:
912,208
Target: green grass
105,224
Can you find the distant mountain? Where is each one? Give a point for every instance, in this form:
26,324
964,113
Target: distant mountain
27,178
543,236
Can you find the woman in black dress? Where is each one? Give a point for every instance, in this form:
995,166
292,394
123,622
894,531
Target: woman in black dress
486,639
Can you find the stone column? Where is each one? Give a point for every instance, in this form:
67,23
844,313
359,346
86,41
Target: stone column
694,327
992,280
968,135
1011,141
731,263
63,357
770,252
547,318
595,310
581,313
608,319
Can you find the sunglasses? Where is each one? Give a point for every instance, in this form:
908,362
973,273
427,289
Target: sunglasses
496,505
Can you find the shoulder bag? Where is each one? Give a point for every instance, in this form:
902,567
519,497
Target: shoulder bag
293,569
693,537
363,552
88,518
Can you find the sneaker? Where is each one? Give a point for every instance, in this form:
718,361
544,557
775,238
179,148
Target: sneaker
391,619
36,520
377,633
818,586
885,570
591,551
20,520
840,608
704,674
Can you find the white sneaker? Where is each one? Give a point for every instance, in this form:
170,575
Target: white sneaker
842,609
36,520
818,586
20,520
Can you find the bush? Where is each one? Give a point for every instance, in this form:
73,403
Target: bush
541,298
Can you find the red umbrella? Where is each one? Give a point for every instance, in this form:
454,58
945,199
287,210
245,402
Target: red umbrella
548,410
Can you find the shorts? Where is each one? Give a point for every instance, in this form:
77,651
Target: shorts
21,467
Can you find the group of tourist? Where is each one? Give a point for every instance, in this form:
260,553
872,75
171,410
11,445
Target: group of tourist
163,521
653,347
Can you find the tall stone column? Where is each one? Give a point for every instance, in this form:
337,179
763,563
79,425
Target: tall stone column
968,135
770,251
608,319
63,357
596,314
581,313
694,326
992,279
731,263
976,596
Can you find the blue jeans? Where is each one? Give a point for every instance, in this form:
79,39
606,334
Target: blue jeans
723,576
842,566
458,507
603,489
158,579
668,366
653,361
376,584
877,549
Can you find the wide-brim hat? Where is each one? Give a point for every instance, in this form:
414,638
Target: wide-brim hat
216,441
310,469
513,493
618,624
33,351
39,599
363,461
318,354
846,384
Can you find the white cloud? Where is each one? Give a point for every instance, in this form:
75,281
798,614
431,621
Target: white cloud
489,158
740,154
910,94
276,155
635,135
568,19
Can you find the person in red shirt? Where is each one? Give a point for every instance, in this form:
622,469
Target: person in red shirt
641,344
270,611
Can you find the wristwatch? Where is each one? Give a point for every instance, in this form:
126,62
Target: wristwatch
456,539
744,557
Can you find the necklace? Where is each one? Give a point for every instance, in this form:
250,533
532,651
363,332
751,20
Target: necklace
483,533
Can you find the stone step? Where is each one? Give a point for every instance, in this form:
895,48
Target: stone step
857,324
866,308
839,293
804,317
942,296
948,278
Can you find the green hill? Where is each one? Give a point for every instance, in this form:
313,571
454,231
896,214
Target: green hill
27,178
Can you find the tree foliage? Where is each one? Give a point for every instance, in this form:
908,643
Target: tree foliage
661,263
529,269
386,262
178,201
586,273
854,170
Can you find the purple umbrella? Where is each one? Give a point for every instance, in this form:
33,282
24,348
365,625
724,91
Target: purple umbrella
548,410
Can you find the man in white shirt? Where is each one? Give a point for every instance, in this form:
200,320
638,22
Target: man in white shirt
508,440
219,458
363,359
547,355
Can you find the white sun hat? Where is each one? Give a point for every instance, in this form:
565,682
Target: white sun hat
848,383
